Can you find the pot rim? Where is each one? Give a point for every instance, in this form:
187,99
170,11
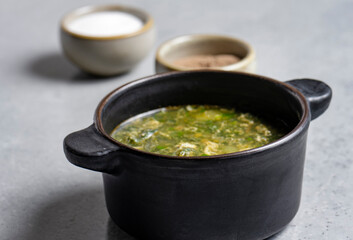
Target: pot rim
304,120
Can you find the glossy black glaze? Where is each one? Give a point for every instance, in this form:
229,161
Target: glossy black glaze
246,195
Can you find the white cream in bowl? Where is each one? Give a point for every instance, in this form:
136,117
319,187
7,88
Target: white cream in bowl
105,24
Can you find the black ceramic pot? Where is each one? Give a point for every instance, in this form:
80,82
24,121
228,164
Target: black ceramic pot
244,195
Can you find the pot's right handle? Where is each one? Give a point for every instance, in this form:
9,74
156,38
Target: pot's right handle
88,148
317,93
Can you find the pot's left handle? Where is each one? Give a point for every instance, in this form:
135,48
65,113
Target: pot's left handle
89,149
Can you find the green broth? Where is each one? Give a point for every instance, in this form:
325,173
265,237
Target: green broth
195,130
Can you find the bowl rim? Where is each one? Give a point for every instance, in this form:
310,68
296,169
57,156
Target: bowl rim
148,24
301,126
245,61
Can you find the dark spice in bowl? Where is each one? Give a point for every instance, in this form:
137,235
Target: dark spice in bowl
207,61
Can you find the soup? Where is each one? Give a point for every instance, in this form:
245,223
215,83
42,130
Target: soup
195,130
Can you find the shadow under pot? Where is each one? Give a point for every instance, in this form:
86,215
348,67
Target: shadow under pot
251,194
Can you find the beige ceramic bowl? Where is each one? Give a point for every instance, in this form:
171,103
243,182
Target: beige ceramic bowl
107,55
200,44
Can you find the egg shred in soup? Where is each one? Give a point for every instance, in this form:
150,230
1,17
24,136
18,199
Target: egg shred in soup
195,130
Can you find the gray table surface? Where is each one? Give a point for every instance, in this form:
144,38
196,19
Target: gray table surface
43,98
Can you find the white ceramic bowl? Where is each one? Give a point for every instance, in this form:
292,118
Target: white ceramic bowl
107,55
200,44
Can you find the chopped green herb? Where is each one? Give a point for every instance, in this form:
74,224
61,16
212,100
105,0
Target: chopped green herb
196,130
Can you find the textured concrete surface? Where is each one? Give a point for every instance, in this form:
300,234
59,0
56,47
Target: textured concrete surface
43,98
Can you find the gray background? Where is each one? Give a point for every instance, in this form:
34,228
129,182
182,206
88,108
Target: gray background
43,98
